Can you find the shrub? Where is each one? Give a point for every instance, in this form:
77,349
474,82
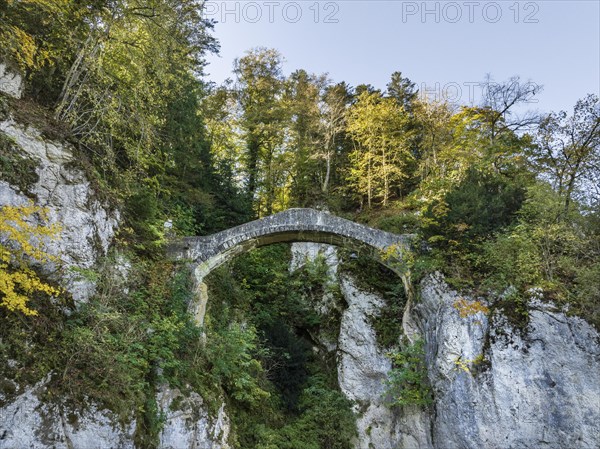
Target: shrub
23,242
407,381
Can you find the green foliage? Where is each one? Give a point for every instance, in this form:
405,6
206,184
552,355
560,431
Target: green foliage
303,94
303,402
482,204
513,305
547,251
378,164
149,424
456,225
117,341
33,343
233,353
407,381
325,421
273,293
586,296
143,215
400,223
513,258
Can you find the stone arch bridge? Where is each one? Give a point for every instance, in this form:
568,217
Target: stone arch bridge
293,225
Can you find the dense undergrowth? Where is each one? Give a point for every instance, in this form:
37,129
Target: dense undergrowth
255,350
506,239
295,401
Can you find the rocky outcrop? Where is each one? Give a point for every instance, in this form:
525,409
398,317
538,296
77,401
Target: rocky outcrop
33,423
362,373
29,422
87,224
499,387
188,424
494,386
362,365
11,81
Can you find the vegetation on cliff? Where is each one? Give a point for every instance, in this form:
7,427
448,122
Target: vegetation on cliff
503,204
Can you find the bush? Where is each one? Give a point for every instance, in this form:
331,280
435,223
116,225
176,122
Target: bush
408,383
482,204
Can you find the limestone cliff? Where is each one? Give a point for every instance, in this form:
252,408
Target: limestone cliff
536,388
494,386
87,225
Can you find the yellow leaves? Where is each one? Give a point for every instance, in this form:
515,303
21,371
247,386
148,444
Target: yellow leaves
400,260
18,40
462,227
20,46
468,308
391,252
460,364
16,226
25,281
23,240
467,365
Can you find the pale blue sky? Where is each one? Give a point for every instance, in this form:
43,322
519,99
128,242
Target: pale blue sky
554,43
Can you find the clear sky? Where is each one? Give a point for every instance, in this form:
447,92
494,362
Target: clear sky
442,46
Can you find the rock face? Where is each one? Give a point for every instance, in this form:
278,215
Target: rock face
11,82
362,365
540,389
29,423
188,425
362,373
88,226
494,386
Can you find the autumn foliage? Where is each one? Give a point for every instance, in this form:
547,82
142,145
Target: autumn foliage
22,243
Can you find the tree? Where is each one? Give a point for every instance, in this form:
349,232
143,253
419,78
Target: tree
336,100
568,150
259,92
378,124
23,242
222,116
433,135
403,90
500,101
303,98
133,63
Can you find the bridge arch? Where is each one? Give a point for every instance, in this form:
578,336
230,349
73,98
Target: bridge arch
293,225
